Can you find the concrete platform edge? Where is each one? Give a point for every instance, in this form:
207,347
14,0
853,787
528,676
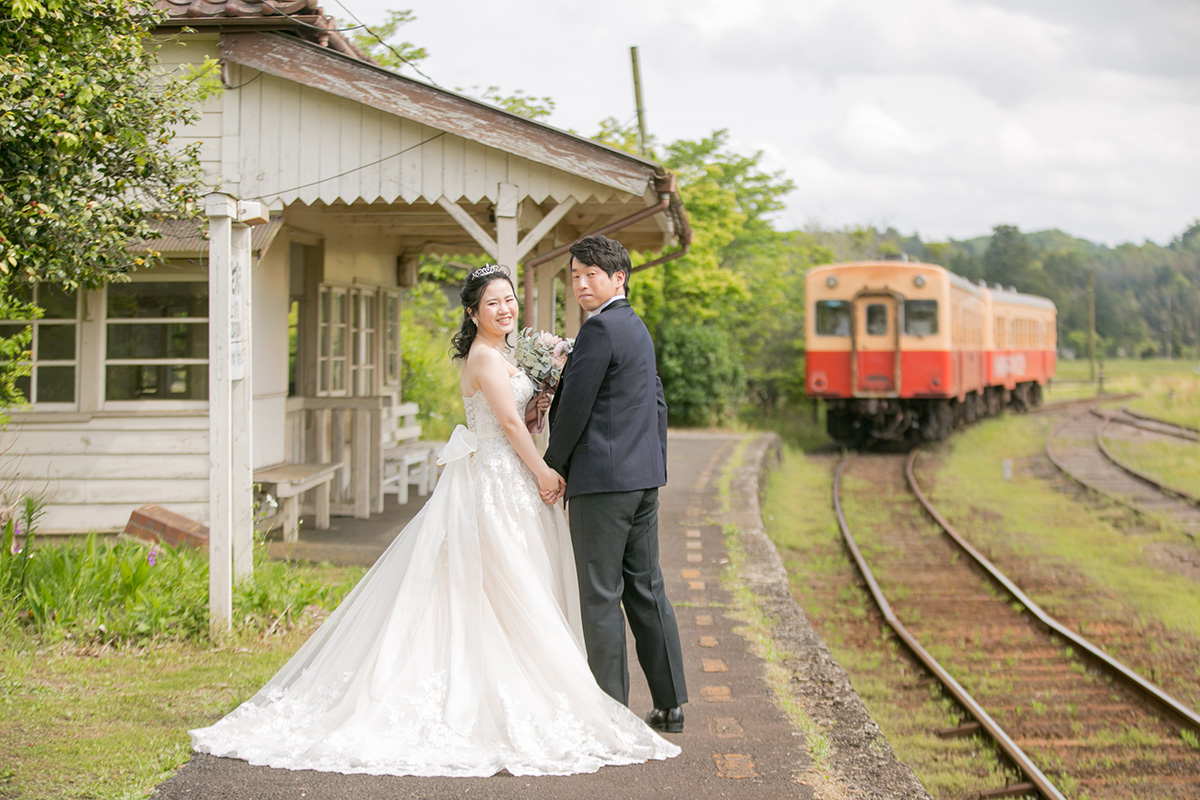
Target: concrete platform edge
861,760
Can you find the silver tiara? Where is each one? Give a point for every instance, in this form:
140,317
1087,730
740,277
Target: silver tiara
487,269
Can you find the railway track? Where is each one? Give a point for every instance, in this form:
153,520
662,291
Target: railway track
1048,699
1076,447
1150,424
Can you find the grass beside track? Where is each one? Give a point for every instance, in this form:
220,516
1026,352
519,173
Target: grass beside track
1023,518
107,724
798,518
1166,389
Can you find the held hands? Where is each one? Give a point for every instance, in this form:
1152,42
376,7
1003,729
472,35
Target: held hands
551,486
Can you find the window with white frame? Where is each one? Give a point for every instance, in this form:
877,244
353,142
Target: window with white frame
391,339
54,349
366,341
156,341
333,334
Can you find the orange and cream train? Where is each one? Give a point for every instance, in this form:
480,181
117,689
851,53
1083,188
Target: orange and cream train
907,350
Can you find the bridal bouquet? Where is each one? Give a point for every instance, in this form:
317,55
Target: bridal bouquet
542,356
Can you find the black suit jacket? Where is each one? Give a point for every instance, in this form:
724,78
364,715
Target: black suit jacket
608,420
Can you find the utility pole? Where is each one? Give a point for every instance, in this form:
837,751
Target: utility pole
637,96
1092,322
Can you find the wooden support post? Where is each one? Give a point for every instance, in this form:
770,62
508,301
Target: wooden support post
241,401
547,277
230,476
360,469
221,210
508,207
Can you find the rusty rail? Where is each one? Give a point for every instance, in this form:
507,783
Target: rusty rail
1179,432
1176,710
1137,473
1037,780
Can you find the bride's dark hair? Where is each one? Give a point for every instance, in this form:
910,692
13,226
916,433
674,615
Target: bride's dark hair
470,295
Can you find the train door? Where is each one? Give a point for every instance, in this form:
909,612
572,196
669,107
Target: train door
876,345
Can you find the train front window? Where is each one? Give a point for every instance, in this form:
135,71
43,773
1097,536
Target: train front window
877,324
920,317
833,318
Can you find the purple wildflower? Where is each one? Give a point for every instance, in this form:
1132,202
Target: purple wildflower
15,548
152,556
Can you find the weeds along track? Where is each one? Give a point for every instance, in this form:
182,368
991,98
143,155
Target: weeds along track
1076,446
1050,702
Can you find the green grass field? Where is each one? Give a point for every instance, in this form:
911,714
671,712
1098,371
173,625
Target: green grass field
101,723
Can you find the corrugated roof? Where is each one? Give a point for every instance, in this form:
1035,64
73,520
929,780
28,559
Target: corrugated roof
183,237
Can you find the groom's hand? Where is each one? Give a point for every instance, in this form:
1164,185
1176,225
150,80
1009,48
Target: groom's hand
552,496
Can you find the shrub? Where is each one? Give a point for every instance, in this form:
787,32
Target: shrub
127,591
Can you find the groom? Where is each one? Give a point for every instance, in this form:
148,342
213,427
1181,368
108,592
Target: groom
608,439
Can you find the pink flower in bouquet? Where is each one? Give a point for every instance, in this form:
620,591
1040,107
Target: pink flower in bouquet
542,356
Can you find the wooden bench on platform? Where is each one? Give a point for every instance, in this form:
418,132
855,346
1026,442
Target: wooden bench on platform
292,480
407,459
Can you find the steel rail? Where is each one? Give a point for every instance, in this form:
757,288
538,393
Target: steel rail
1137,473
1148,418
1176,710
1061,404
1010,748
1065,470
1180,432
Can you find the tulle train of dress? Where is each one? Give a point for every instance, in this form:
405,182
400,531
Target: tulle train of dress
458,654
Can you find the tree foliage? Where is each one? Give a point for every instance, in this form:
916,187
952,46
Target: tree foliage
87,163
381,43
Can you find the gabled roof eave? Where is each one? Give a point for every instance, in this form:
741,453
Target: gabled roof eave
373,86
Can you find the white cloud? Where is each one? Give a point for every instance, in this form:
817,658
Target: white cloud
944,117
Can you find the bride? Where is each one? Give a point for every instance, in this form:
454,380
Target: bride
460,653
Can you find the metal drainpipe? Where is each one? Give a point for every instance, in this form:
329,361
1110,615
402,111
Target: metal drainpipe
663,204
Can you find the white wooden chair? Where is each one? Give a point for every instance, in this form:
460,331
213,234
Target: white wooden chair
408,461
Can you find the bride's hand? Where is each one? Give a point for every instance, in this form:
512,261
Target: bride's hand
550,485
543,401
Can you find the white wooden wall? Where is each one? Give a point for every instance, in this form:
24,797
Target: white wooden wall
176,55
299,143
95,472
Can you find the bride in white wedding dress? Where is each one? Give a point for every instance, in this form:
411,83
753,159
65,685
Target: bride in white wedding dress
460,652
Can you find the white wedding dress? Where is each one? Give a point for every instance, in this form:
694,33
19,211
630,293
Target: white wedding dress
458,654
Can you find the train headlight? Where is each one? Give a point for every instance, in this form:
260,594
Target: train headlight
919,281
831,281
818,381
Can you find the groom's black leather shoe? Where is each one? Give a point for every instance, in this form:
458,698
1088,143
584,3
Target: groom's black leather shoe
669,720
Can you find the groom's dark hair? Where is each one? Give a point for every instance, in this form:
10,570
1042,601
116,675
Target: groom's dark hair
605,253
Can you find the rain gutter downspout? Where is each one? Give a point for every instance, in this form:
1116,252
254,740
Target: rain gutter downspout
666,187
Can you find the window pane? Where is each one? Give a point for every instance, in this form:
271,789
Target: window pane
23,384
920,317
57,303
157,382
181,340
833,318
338,382
877,324
8,331
55,343
174,299
56,384
339,343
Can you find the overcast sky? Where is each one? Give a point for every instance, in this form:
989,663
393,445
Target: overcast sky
939,117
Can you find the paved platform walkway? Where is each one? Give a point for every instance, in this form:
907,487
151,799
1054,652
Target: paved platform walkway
736,743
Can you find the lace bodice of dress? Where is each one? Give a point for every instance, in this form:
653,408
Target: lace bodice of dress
480,418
